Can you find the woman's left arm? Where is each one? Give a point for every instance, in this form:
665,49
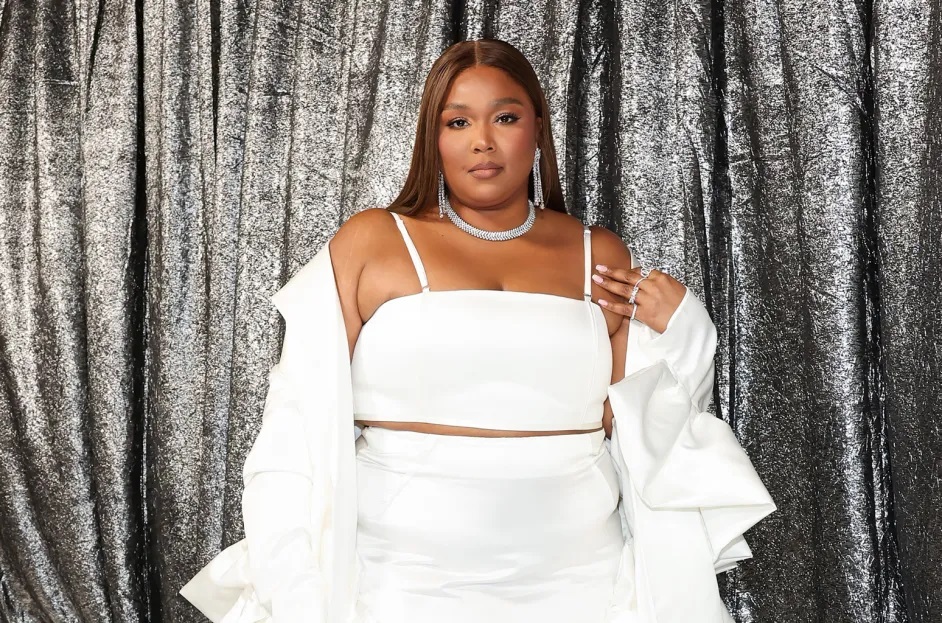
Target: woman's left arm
608,248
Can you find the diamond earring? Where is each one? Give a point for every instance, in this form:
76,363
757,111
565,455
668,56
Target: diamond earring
441,195
537,182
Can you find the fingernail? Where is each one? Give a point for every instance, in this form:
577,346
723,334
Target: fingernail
603,302
596,279
601,268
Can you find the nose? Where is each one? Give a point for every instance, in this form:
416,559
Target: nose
483,141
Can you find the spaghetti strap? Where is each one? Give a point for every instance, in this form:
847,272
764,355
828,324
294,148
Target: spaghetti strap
587,240
416,260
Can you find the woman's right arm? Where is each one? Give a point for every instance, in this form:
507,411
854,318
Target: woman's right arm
350,249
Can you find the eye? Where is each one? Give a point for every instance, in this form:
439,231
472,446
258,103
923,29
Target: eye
509,116
454,123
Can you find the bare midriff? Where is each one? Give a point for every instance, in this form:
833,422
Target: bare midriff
466,431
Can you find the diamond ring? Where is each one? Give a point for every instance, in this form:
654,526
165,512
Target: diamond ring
634,291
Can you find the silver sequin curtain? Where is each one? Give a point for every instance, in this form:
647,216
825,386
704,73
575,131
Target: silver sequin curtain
165,166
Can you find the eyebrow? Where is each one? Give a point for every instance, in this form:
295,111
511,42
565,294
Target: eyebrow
498,102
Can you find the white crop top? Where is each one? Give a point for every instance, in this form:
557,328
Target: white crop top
494,359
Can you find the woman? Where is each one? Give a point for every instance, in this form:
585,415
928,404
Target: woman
482,357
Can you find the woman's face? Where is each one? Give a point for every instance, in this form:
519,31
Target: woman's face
488,118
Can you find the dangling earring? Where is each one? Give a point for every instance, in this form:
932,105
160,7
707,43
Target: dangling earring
537,182
441,195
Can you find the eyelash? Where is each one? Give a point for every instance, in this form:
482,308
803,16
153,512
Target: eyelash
513,117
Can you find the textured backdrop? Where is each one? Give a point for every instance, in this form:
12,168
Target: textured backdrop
165,166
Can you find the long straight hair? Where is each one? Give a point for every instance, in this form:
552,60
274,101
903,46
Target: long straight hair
421,185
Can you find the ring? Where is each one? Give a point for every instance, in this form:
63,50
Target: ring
633,311
645,271
634,291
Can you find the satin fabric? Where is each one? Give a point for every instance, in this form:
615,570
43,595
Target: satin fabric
688,491
485,359
471,529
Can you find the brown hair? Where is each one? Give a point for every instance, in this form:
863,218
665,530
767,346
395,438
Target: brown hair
421,185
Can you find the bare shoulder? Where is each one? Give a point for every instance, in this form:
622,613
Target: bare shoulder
358,237
608,248
358,234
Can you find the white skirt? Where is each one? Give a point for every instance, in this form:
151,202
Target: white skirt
472,529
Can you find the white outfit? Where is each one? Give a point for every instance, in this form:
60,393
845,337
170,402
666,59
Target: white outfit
474,529
471,529
401,526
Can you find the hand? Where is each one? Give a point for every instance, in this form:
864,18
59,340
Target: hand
657,299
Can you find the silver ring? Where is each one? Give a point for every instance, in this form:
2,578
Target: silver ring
634,291
645,271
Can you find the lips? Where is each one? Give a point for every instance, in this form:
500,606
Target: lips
484,166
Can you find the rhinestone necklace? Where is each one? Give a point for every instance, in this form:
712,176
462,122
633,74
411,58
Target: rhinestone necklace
507,234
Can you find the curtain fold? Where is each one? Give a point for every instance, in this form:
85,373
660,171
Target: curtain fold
797,79
71,523
165,166
906,132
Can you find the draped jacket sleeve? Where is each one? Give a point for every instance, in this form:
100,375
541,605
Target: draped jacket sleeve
688,490
296,563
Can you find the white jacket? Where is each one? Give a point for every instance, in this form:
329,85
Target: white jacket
689,492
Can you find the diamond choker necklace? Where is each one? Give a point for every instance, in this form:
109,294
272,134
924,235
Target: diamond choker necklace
491,235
